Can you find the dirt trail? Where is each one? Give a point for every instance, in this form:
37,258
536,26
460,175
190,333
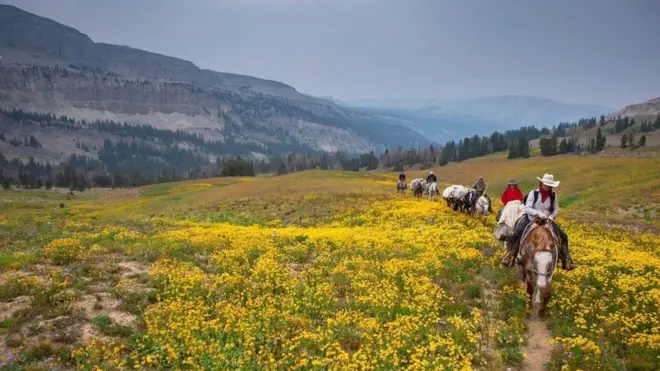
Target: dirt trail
538,348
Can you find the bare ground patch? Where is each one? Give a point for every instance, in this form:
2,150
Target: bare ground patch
7,309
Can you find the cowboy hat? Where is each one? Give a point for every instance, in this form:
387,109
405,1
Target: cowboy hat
549,180
513,182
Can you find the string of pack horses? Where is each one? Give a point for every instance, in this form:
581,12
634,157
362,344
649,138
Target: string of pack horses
534,241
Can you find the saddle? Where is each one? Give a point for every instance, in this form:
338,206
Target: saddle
532,226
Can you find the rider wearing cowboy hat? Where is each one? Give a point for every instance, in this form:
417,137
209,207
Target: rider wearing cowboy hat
542,203
431,178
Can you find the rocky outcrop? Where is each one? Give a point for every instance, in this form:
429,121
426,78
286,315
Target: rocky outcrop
649,108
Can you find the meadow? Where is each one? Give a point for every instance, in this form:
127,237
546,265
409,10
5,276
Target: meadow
325,270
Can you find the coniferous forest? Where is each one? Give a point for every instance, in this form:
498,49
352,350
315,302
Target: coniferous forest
142,154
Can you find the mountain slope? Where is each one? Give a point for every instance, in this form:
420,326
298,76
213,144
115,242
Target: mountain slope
524,110
50,67
437,125
650,107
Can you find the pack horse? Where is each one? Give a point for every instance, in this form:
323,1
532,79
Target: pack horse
401,186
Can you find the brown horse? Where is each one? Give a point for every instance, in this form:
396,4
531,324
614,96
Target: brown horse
539,250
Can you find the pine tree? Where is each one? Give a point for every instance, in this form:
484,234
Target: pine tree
513,151
642,141
523,148
600,141
631,141
563,146
624,141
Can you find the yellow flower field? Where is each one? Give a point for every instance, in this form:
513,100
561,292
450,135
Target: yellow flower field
346,276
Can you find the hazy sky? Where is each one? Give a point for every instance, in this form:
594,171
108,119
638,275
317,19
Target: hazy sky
596,51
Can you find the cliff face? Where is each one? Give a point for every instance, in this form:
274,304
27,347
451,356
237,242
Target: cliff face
91,94
49,67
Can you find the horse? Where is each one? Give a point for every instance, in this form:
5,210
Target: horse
456,197
482,206
448,193
432,191
418,186
401,186
511,214
469,201
539,251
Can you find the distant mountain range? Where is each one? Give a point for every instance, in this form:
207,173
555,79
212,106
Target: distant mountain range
444,120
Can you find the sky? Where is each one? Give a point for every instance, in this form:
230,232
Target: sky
581,51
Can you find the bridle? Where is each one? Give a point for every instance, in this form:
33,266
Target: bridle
555,256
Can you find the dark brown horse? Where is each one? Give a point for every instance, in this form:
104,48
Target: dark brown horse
539,250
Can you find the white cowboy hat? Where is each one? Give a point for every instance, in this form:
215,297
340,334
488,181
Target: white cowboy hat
549,180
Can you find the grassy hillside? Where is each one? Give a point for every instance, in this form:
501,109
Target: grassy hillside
322,270
622,189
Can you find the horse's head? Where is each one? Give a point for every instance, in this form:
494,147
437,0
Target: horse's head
540,259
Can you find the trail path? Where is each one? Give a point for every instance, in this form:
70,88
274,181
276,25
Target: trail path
538,348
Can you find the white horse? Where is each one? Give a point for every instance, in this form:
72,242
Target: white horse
482,207
401,186
457,196
506,224
447,193
432,191
418,186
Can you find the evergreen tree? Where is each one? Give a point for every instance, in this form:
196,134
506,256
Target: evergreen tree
600,141
548,146
631,141
563,146
624,141
642,141
523,148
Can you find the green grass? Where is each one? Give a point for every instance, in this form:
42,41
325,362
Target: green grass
107,327
15,260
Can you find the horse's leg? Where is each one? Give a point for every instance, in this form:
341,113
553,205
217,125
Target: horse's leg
530,294
545,300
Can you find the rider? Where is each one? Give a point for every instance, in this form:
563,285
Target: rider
431,178
542,203
480,187
511,193
402,177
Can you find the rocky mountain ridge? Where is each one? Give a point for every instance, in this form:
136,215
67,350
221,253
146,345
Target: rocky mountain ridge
647,108
49,67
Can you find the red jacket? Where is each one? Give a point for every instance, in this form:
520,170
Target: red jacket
511,195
